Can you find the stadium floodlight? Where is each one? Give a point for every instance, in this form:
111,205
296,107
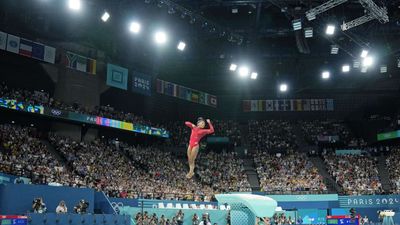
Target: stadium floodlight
308,32
134,27
160,37
181,46
383,69
330,29
254,75
356,64
364,69
326,75
243,71
283,87
368,61
74,4
296,24
346,68
105,16
364,53
232,67
334,49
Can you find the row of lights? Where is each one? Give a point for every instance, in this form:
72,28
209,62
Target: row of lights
367,61
160,37
243,71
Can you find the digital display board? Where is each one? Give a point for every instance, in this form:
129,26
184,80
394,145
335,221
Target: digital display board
89,119
342,220
13,220
312,216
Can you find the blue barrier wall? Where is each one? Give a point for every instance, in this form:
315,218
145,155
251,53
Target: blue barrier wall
10,179
216,216
73,219
17,199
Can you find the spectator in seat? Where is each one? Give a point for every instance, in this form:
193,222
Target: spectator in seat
38,206
163,221
195,219
61,208
205,220
179,217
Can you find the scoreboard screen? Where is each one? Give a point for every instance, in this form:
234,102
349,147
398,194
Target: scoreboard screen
13,220
342,220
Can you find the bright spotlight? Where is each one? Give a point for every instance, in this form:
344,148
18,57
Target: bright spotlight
74,4
368,61
364,53
330,29
134,27
254,75
345,68
160,37
181,46
326,75
233,67
283,87
243,71
105,16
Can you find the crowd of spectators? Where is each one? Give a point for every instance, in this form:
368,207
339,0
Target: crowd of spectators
392,163
312,129
43,98
288,173
146,219
229,128
161,174
23,154
271,135
356,174
97,164
223,172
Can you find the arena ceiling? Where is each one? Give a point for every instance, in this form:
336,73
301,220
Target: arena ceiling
258,33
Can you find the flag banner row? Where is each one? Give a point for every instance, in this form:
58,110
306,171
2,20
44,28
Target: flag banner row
288,105
28,48
80,63
185,93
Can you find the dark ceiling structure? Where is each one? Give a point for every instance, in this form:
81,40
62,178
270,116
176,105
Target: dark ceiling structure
258,33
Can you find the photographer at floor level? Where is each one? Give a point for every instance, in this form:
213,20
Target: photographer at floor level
38,206
82,207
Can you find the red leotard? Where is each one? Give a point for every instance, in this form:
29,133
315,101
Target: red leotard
198,133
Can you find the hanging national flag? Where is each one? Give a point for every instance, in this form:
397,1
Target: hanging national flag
269,105
254,105
246,106
81,63
195,97
49,54
13,44
160,86
25,48
3,40
213,100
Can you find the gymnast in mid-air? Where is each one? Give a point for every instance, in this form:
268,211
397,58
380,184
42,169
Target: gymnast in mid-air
198,132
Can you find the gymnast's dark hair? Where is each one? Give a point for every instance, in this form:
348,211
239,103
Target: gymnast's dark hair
200,119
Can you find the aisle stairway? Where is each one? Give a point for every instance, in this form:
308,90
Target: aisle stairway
384,174
252,176
329,181
56,154
303,145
